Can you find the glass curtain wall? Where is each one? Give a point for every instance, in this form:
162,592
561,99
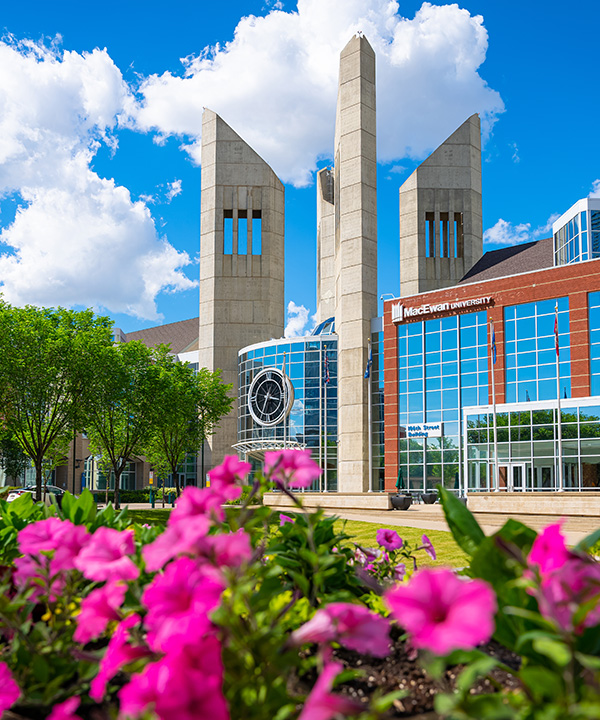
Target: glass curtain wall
594,324
443,366
313,418
528,446
378,480
530,352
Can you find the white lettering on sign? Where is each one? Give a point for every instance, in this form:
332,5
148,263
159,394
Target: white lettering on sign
425,430
400,312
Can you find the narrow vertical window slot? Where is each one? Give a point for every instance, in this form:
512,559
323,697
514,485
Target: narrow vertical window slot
429,234
227,232
242,247
458,235
256,232
444,232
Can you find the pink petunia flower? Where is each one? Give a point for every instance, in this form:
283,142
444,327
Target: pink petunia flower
179,602
291,468
184,685
9,690
33,573
196,502
284,519
98,609
443,612
228,549
119,652
564,590
177,539
399,571
226,478
322,704
105,556
389,539
549,550
428,547
65,710
42,535
353,626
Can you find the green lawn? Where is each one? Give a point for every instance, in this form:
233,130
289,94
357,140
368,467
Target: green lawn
362,533
448,552
159,516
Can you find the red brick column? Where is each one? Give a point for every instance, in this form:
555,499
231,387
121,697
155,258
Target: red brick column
390,390
580,343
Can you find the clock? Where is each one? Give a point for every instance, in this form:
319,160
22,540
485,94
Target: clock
270,397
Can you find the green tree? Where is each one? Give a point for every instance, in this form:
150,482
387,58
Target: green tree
187,408
49,362
120,422
13,460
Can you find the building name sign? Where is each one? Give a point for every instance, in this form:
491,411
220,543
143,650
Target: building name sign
401,313
425,430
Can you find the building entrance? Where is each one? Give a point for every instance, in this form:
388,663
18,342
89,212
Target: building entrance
511,477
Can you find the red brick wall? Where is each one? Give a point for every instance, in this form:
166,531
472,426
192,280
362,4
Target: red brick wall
574,281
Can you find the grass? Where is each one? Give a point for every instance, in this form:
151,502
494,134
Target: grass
150,517
448,552
362,533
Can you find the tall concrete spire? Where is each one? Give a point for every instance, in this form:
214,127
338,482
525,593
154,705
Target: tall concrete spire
241,260
440,214
355,250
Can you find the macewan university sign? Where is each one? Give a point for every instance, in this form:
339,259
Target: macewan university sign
401,313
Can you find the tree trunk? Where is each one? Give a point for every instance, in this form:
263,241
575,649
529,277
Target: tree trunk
118,471
38,479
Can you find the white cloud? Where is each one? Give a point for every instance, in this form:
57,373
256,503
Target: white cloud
504,233
298,318
77,239
173,189
275,83
595,192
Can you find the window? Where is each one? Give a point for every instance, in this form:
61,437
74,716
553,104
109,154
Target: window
228,232
429,234
242,247
256,232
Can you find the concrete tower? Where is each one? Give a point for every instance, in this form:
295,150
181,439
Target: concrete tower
354,254
440,214
241,260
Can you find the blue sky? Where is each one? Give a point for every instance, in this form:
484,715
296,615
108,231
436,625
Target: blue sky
100,128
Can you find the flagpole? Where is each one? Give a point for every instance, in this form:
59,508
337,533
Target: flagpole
370,421
495,479
560,464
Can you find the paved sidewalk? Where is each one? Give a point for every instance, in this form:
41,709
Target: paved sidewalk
431,517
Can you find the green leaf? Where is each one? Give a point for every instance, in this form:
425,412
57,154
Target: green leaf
588,661
588,542
445,704
463,526
542,682
555,650
40,669
384,703
474,670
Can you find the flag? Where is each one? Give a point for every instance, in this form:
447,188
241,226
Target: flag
369,363
556,327
527,395
493,342
326,367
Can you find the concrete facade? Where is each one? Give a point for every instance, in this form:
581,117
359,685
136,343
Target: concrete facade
440,214
241,279
347,253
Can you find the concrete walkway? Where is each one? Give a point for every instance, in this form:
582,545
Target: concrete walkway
431,517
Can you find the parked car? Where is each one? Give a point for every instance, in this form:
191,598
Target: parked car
51,490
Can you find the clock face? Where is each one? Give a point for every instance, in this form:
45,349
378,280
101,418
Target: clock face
270,397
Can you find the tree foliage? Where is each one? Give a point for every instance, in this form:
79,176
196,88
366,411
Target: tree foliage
187,408
49,362
120,421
